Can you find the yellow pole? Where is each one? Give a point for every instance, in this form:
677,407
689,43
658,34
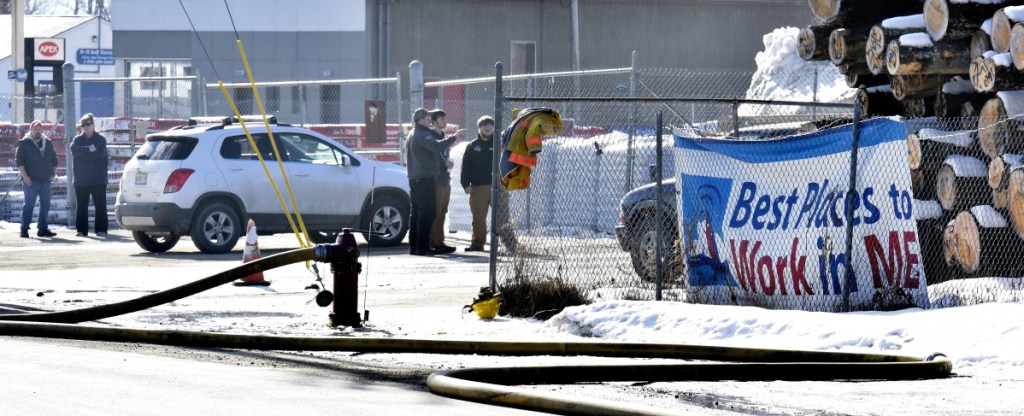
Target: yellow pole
273,143
262,163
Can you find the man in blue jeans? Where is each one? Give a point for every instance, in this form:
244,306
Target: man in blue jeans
37,162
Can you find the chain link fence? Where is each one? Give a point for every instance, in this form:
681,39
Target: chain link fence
762,218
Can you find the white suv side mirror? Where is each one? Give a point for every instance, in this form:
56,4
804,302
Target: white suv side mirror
345,161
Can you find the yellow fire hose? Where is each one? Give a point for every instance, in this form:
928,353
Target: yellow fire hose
494,385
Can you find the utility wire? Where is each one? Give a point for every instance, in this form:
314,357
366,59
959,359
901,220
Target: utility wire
201,39
232,18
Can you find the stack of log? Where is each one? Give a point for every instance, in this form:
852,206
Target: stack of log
961,61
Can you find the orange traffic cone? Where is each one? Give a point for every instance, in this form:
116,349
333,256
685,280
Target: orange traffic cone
251,252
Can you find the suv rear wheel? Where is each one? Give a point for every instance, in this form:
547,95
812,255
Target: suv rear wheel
155,243
389,217
216,228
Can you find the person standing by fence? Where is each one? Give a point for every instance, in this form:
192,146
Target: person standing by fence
438,121
89,150
477,165
423,149
37,162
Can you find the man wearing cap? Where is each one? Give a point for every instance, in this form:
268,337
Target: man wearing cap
477,165
443,184
423,150
90,152
37,162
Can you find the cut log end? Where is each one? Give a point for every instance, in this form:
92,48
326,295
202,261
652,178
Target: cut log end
1000,32
945,187
914,146
1017,46
936,18
1015,201
996,169
991,127
837,46
892,57
876,40
823,11
968,242
806,43
876,61
983,74
949,243
1000,199
980,43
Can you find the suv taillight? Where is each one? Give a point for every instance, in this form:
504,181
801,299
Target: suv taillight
177,180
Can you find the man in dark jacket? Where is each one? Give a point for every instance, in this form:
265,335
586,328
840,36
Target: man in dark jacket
423,168
90,168
37,162
443,184
477,165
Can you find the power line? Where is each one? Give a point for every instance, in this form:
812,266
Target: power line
200,39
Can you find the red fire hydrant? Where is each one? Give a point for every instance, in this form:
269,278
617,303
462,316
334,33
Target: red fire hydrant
346,282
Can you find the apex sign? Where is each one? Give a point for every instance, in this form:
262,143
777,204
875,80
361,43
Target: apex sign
49,49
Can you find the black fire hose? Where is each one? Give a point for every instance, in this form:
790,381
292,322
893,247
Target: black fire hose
493,385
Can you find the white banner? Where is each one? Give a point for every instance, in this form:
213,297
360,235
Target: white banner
764,223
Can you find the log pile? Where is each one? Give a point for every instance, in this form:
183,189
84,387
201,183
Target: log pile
963,62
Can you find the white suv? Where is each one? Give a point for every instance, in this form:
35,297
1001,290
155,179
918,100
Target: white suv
204,180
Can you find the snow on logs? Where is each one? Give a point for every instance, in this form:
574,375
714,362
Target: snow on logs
859,12
882,33
928,149
999,124
915,53
954,95
957,19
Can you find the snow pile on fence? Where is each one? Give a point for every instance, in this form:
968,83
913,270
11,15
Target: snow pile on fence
783,75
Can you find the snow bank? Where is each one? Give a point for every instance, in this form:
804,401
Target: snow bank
916,40
967,166
783,75
904,22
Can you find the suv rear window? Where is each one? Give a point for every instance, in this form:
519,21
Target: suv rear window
167,148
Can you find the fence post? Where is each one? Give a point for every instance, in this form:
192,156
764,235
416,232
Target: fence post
736,118
632,125
658,212
302,97
415,85
848,263
400,111
196,87
70,118
499,101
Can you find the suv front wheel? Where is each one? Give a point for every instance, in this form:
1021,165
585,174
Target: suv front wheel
216,228
644,255
389,218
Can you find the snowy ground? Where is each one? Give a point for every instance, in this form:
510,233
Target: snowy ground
424,300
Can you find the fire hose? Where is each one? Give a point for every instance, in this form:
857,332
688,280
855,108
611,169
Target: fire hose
492,385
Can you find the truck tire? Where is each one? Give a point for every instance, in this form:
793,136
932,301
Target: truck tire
644,254
216,228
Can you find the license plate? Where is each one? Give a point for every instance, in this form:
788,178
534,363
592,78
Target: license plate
140,178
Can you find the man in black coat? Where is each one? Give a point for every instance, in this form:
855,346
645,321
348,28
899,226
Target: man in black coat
477,165
422,152
90,168
37,162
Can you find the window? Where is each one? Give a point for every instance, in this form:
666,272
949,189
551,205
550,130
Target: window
305,148
524,58
153,71
167,148
273,99
238,147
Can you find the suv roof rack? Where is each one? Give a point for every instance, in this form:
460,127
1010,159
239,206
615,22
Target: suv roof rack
227,121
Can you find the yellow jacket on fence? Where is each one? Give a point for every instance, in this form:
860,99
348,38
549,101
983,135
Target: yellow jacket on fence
522,142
